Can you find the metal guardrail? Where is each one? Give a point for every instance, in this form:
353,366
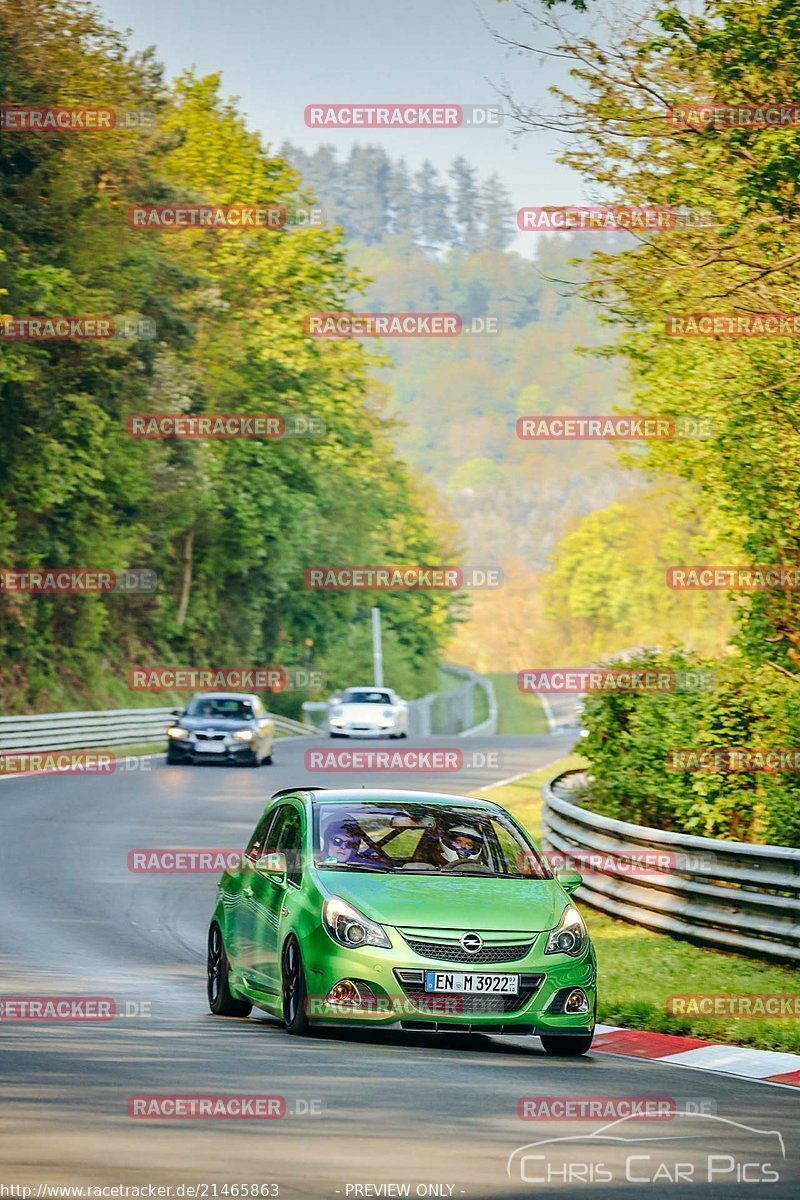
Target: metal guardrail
113,727
438,712
731,895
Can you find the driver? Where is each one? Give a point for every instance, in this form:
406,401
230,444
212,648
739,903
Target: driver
342,844
461,844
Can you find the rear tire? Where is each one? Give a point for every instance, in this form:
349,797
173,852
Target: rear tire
565,1045
293,990
220,1000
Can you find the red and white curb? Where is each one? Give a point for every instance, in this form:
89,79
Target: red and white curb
769,1066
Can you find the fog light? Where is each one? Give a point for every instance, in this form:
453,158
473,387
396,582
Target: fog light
576,1002
344,993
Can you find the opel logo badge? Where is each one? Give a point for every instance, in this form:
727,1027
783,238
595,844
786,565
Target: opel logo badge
471,943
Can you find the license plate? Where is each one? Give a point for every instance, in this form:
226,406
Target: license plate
471,983
209,747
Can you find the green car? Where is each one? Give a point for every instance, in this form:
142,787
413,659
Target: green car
378,907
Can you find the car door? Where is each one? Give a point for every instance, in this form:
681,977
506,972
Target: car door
270,894
241,932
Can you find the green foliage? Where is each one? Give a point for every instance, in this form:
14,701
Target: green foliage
606,590
229,526
633,736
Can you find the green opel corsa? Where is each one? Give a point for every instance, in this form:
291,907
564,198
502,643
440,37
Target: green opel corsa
376,907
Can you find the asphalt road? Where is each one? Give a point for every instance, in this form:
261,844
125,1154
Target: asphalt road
365,1109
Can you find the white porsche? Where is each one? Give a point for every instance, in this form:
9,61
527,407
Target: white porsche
362,712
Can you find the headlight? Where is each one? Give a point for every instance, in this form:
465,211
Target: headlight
350,928
243,735
337,721
569,936
175,731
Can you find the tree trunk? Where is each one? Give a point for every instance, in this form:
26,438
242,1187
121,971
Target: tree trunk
186,582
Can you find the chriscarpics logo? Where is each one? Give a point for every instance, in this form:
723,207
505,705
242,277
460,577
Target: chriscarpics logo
696,1148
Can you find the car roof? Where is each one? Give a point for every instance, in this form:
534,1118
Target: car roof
382,795
368,687
224,696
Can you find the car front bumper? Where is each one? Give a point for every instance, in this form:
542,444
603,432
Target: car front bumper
232,752
389,974
350,731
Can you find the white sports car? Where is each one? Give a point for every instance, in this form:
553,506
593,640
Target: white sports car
363,712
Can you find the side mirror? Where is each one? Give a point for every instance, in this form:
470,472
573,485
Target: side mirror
178,712
569,880
273,865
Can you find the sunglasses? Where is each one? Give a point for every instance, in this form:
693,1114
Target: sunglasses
350,843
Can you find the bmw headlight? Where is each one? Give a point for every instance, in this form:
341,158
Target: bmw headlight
175,731
569,936
243,735
350,928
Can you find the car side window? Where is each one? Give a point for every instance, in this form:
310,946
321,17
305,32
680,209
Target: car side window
289,841
260,834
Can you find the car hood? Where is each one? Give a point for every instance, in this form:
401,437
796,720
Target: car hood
368,713
450,902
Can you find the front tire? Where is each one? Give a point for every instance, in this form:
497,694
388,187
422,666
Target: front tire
293,990
220,1000
173,759
565,1045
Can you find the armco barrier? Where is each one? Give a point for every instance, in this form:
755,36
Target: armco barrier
731,895
115,727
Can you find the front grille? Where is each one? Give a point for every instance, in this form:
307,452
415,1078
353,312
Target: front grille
456,1004
209,737
454,952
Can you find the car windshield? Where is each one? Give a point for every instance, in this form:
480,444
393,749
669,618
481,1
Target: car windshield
422,839
220,707
364,697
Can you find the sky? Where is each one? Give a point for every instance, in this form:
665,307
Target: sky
280,57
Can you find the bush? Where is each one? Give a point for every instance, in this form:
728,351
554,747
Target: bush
632,737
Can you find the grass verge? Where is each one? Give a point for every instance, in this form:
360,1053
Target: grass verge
639,970
517,712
